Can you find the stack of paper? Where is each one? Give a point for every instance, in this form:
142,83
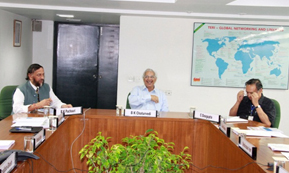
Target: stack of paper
259,132
235,119
31,122
251,132
270,131
279,147
6,144
286,154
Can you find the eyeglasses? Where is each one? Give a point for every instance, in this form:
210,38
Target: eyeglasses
147,77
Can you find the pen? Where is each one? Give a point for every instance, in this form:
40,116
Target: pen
23,128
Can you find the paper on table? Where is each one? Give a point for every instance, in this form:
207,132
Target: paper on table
279,147
286,154
279,134
264,129
31,121
251,132
269,131
258,133
235,119
6,144
261,133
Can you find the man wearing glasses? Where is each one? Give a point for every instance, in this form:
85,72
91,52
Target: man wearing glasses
147,96
35,94
254,104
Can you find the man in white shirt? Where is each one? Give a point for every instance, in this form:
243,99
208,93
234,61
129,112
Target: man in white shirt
147,96
35,94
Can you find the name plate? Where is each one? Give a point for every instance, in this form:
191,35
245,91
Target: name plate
140,113
39,138
9,164
249,148
207,116
225,129
69,111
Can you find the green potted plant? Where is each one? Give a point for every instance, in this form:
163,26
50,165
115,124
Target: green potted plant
147,153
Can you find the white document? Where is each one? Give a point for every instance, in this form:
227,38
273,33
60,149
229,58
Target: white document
279,147
286,154
258,133
235,119
251,132
32,122
279,135
269,131
6,144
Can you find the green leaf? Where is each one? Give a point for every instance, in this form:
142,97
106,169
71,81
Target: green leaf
137,154
149,130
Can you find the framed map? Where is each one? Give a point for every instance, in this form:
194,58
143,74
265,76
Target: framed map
227,55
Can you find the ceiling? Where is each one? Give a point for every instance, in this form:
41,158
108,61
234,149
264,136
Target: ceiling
109,11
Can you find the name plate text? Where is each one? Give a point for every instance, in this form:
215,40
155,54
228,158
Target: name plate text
9,164
206,116
140,113
249,148
39,138
69,111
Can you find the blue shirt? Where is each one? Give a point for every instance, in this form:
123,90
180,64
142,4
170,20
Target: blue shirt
140,98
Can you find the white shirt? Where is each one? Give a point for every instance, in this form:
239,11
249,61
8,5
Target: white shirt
140,98
18,101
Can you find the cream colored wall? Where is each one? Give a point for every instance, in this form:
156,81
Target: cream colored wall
165,44
14,60
43,49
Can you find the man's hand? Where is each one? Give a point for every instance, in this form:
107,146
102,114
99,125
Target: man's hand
154,98
234,109
44,102
240,96
255,99
66,106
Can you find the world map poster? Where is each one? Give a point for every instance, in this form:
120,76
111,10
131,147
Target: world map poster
227,55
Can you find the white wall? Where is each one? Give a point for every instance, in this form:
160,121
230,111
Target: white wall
14,60
165,44
43,49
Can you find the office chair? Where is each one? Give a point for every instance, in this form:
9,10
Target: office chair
278,113
127,102
6,97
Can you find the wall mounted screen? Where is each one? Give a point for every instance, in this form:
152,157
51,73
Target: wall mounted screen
227,55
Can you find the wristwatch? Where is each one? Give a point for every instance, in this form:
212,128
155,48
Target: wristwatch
257,106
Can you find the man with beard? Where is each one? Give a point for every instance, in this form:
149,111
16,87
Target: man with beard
35,94
148,97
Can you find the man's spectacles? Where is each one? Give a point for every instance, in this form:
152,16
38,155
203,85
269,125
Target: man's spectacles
147,77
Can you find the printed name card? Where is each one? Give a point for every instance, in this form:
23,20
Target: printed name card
69,111
249,148
39,138
9,164
140,113
207,116
224,128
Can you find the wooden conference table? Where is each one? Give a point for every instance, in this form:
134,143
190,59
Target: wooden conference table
211,150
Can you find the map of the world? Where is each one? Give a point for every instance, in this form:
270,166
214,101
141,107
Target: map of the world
229,55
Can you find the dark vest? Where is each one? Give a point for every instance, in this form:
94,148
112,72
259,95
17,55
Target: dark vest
30,95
